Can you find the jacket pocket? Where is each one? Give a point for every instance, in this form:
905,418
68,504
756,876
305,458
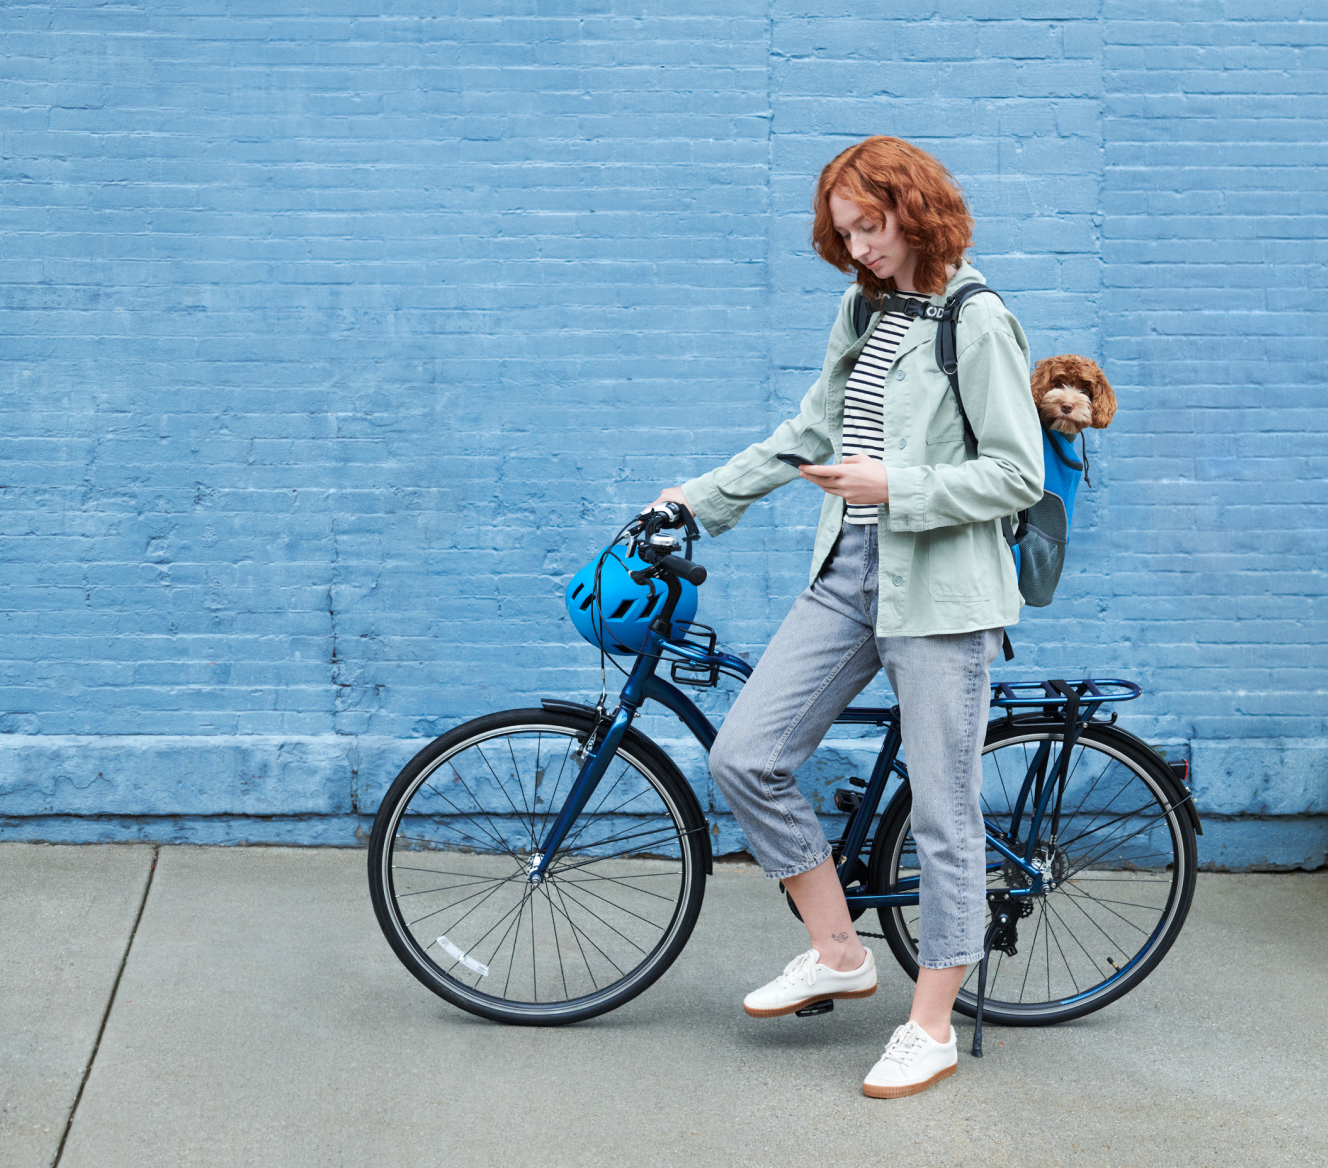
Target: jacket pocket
958,563
945,428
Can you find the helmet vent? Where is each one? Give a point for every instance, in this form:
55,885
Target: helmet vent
585,604
650,605
577,591
624,607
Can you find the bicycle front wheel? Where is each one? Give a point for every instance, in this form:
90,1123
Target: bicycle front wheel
1120,870
452,848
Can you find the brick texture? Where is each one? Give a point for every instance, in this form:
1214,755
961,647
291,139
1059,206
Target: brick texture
337,336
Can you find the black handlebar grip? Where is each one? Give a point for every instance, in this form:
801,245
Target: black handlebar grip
689,571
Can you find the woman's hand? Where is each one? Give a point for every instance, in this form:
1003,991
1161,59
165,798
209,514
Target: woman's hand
673,495
858,479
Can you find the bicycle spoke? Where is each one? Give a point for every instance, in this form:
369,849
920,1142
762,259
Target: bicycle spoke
623,882
520,786
553,928
431,871
521,912
443,888
583,932
599,813
552,801
1123,903
474,948
602,921
503,786
496,837
576,936
1083,895
1096,966
663,832
621,908
1077,902
1029,965
1124,839
457,904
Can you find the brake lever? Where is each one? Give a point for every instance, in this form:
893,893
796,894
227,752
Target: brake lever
668,514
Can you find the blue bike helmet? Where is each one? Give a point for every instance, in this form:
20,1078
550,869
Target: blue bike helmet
602,597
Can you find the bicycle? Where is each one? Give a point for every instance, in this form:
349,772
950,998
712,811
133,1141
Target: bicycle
544,866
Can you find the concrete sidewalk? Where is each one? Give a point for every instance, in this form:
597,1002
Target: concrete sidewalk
240,1007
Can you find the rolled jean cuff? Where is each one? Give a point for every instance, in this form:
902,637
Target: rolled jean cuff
951,962
796,871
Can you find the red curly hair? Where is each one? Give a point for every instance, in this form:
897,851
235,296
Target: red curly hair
888,175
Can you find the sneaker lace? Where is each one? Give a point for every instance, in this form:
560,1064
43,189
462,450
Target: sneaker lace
904,1044
801,968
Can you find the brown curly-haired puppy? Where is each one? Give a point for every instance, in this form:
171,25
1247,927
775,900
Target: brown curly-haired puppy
1071,392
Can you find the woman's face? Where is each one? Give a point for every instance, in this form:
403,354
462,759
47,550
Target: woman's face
877,246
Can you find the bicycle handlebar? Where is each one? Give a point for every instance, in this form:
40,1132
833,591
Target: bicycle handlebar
689,571
647,524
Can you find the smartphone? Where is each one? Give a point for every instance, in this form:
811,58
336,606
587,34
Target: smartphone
795,460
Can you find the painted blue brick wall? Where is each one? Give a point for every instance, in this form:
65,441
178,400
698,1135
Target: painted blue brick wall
336,335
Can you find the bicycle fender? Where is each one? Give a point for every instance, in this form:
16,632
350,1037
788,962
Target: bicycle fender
647,746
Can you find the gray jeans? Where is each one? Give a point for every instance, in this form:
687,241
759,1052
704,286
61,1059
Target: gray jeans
823,655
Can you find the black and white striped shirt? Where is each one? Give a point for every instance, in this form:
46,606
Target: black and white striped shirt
864,396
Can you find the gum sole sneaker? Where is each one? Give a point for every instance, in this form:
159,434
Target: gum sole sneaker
912,1062
805,981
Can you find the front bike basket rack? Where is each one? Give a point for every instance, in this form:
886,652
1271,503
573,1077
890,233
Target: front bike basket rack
703,638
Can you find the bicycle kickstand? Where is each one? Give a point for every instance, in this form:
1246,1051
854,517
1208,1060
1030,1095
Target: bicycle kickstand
982,985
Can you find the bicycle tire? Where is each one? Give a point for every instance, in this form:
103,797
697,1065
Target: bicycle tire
619,899
1124,867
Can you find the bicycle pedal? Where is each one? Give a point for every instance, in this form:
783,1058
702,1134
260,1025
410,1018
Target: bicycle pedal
817,1008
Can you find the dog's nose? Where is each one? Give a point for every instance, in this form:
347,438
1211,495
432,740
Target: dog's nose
1067,408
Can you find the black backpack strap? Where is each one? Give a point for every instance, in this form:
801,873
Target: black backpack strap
947,356
910,306
1014,534
862,313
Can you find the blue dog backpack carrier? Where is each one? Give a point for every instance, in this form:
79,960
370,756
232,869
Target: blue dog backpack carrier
1039,542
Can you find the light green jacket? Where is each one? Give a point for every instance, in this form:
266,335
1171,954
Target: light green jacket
945,566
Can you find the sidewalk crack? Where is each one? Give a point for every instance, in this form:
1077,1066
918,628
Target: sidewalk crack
110,1004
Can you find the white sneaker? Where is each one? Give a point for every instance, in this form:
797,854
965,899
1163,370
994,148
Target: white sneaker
805,981
912,1062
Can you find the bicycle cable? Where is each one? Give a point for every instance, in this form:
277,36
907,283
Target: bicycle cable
597,608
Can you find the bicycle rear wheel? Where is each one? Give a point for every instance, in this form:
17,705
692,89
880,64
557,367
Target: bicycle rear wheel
452,847
1121,871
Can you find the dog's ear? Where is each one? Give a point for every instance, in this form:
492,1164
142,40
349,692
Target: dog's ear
1104,399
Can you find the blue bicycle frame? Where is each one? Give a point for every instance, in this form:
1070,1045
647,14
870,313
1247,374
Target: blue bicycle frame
1076,704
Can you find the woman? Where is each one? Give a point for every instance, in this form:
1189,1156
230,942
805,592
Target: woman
910,573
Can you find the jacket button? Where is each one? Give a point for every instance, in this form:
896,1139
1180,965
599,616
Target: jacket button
902,443
899,581
899,375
